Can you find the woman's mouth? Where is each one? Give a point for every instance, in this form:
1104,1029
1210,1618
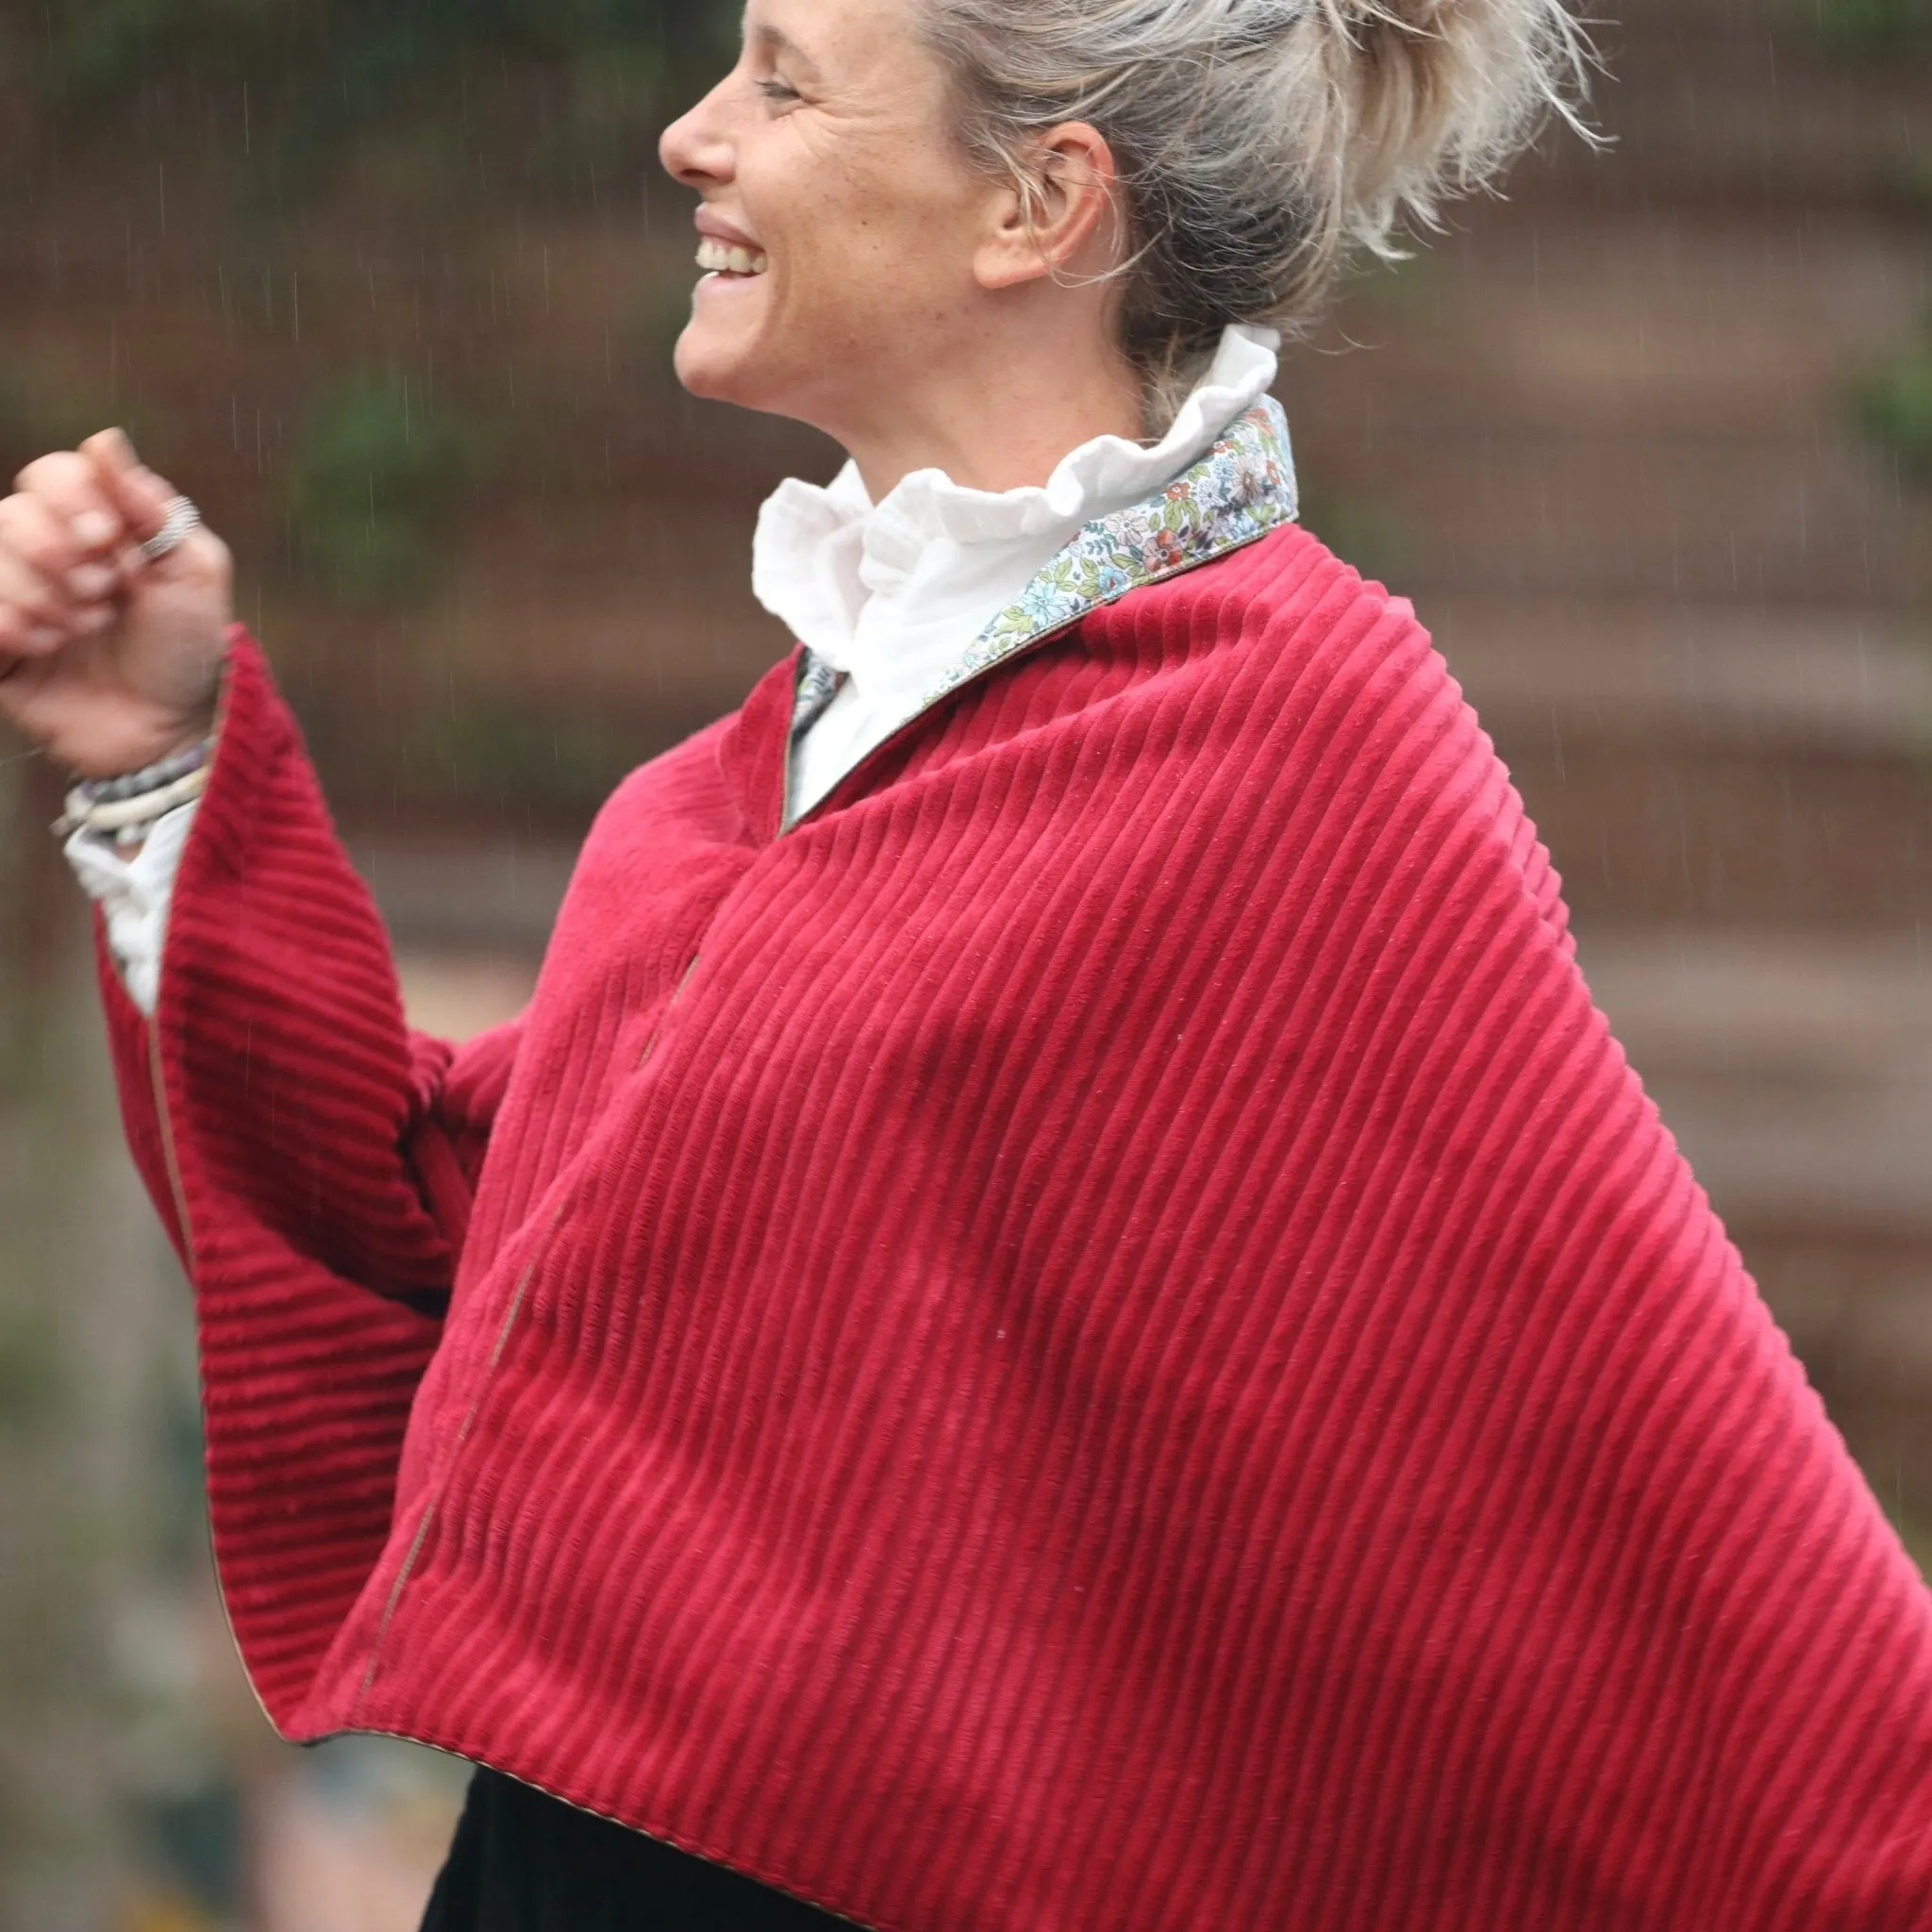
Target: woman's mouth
726,259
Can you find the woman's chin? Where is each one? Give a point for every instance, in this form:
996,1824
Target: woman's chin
707,366
722,370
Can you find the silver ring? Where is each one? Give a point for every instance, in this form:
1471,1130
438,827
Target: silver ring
177,521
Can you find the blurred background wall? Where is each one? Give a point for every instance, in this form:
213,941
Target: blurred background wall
389,285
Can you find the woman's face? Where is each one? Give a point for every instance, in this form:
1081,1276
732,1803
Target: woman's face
840,219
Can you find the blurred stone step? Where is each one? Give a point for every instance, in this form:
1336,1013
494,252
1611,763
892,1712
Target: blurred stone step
1621,325
1599,518
1795,1071
493,901
1716,762
1783,680
1618,407
1686,96
1857,1308
1729,835
1794,1068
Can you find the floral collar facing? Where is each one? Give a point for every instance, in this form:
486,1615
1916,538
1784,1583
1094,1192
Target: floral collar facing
1238,493
1240,490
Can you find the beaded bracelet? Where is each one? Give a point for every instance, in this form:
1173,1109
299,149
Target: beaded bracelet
128,806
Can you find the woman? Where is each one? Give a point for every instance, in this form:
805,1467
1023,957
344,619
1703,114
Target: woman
1059,1314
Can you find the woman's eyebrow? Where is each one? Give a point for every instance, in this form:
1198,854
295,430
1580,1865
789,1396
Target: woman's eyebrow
779,42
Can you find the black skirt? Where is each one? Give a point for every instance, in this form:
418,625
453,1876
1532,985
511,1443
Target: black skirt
527,1862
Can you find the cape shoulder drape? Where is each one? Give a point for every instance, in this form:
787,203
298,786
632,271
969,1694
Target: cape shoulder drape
1097,1335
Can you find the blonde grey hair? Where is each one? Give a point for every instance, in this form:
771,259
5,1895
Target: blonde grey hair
1260,141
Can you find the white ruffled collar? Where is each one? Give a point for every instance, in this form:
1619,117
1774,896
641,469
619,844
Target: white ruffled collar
891,593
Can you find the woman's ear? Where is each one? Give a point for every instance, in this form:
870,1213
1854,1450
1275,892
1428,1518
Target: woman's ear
1061,218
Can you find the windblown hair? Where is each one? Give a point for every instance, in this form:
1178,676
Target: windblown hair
1260,141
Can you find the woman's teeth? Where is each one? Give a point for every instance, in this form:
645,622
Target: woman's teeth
721,258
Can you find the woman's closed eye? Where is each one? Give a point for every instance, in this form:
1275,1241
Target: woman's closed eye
780,91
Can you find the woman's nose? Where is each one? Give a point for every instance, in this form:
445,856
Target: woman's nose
694,148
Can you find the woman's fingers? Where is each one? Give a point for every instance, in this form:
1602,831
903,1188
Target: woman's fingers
140,497
107,658
36,538
70,542
48,581
32,530
28,601
68,487
107,499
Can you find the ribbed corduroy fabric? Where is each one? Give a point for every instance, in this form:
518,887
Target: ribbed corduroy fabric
1098,1336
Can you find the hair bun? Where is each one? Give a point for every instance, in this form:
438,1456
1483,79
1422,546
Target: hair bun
1434,97
1261,141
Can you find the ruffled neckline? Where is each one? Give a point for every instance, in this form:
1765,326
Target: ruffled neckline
832,565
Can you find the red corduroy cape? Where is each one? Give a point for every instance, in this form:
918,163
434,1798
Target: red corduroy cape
1098,1336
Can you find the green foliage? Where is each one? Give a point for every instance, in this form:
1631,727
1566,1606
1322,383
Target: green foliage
375,479
97,46
1905,175
1398,286
29,1371
360,49
1872,26
563,761
1358,531
321,68
1911,1531
197,1837
1894,404
37,413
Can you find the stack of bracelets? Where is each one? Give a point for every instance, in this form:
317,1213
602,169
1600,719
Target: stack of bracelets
127,808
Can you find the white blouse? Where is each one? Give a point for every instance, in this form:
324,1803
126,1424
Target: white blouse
893,594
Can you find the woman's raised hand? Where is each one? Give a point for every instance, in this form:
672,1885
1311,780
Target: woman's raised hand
107,660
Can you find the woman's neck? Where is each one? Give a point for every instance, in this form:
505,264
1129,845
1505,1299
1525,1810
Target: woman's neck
1004,424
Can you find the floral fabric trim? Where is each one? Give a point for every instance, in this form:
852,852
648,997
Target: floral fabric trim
818,685
1240,490
1243,487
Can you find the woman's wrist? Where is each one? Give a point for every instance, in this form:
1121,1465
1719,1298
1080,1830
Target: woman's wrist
182,711
126,807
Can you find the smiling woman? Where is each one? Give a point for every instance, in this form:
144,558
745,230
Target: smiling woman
1060,1313
909,303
